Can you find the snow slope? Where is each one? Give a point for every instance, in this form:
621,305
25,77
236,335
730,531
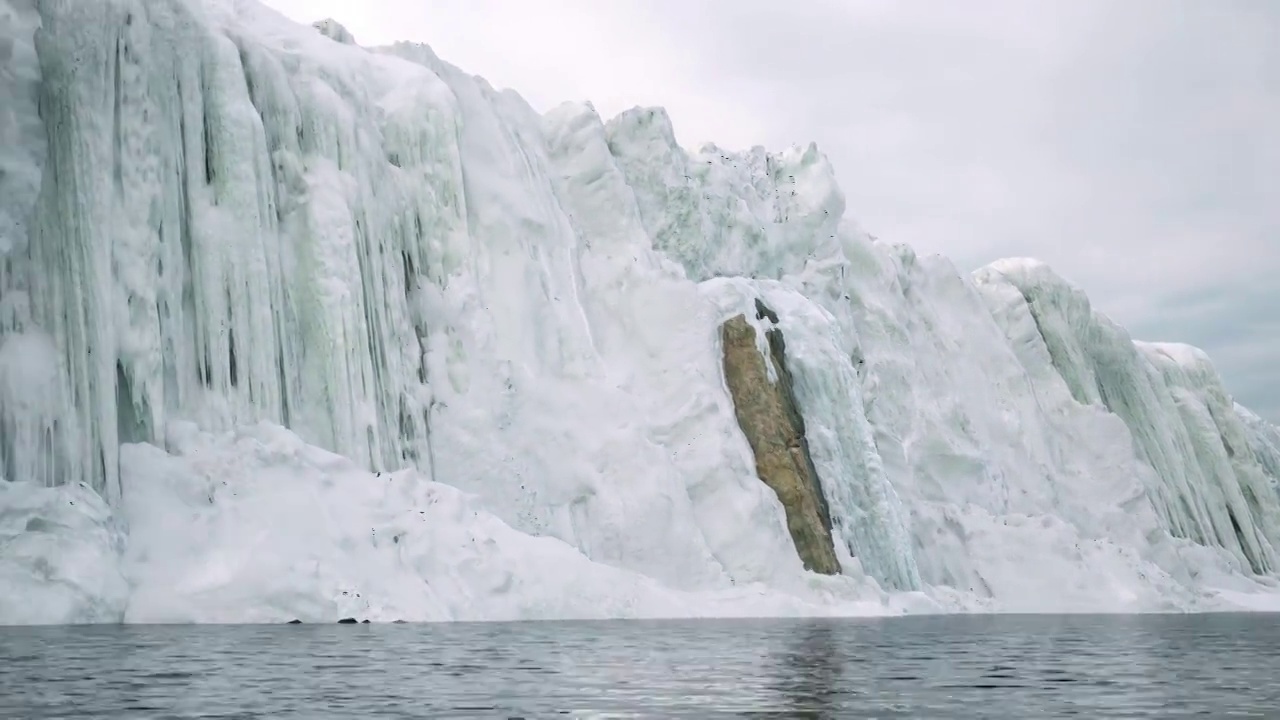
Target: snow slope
492,336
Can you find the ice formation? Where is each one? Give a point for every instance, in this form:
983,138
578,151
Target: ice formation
492,336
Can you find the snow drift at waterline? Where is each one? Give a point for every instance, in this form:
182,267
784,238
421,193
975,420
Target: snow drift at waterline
292,328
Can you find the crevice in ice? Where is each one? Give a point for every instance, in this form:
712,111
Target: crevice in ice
233,367
131,419
117,135
1240,540
206,134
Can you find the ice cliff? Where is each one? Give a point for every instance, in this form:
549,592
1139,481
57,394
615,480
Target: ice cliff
292,328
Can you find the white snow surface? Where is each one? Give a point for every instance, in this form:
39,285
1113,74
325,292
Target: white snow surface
292,328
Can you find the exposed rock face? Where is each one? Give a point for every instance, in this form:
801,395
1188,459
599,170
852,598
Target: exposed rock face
769,417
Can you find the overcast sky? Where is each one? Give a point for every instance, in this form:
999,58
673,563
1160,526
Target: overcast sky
1132,144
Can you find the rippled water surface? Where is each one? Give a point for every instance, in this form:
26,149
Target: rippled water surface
929,667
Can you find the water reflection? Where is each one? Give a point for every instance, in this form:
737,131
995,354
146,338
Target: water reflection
940,667
811,670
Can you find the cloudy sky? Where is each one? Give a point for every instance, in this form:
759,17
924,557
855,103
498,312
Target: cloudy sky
1133,145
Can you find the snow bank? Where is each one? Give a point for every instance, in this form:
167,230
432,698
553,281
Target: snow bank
257,526
216,224
60,556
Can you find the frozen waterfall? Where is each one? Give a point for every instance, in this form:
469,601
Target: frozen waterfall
293,328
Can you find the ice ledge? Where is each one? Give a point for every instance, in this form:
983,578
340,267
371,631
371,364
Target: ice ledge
335,31
1188,357
1036,279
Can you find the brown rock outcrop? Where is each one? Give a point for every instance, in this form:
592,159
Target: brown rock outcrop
768,416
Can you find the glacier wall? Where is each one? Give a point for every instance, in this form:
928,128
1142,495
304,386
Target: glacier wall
216,224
